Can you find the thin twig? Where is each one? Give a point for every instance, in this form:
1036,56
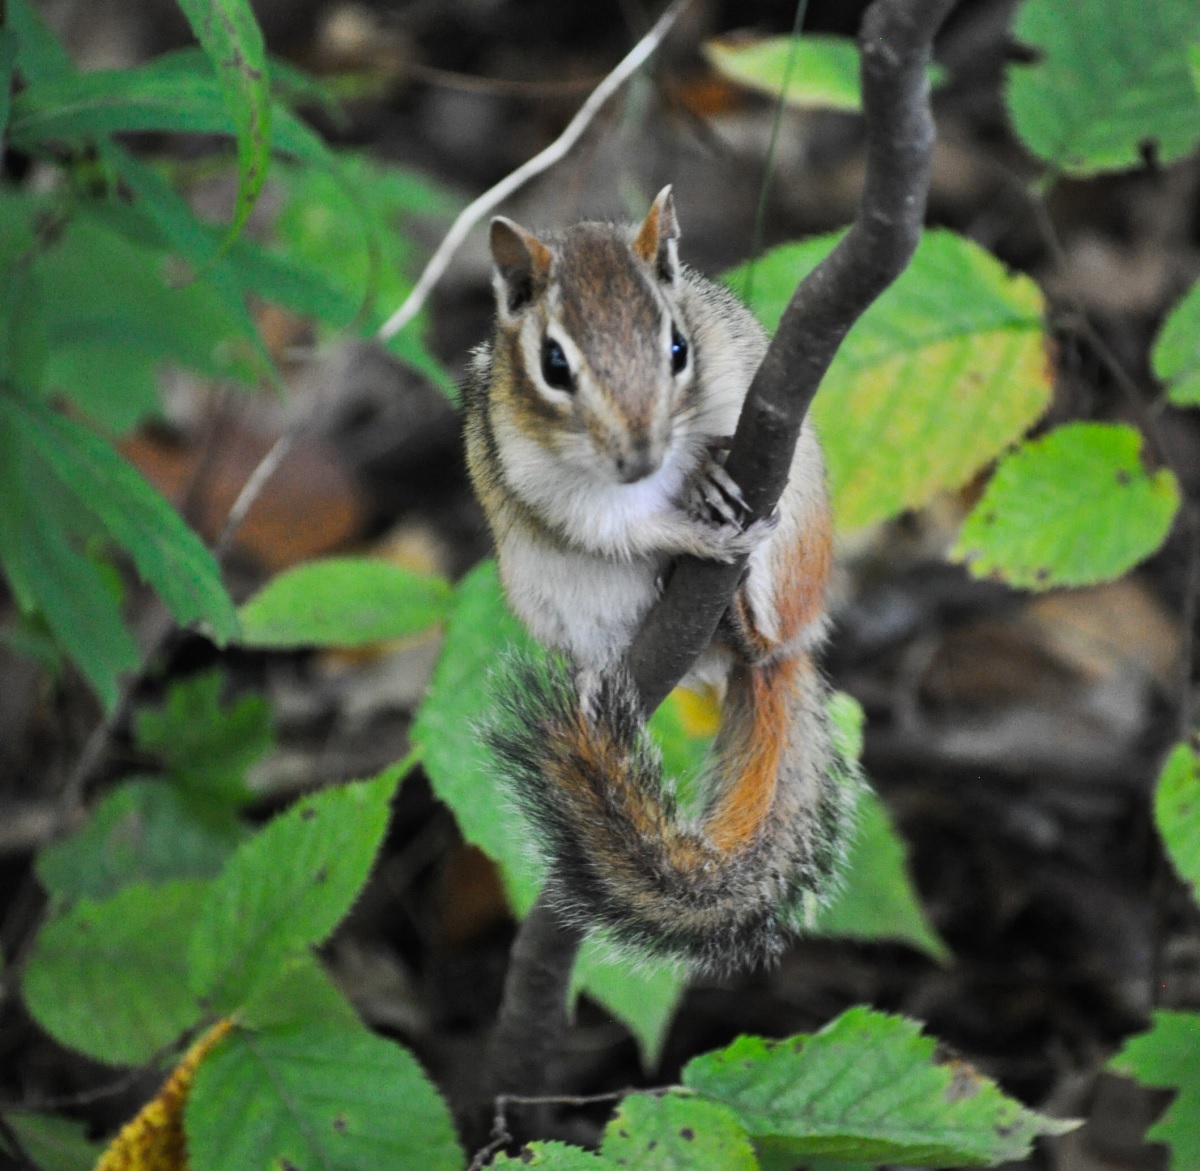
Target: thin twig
492,198
764,191
503,1101
95,750
254,485
501,1136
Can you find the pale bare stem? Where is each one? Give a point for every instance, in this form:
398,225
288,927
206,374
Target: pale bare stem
556,151
896,39
253,487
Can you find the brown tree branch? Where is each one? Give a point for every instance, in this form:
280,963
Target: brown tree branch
533,1012
895,43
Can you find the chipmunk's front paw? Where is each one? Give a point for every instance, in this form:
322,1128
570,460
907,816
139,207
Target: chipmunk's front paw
717,505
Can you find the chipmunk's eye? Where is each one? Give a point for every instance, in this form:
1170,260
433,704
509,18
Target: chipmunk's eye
679,351
556,370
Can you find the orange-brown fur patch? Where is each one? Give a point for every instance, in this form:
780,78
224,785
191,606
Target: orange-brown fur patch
743,810
801,577
583,743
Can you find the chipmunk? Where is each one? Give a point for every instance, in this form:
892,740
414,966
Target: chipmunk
596,419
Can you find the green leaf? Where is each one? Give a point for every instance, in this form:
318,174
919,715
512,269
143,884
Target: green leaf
115,311
298,88
480,630
938,377
677,727
193,239
30,639
54,1144
49,576
207,747
554,1157
1176,353
352,227
176,91
41,56
1166,1056
304,288
8,55
143,831
672,1132
1074,507
229,34
343,601
303,993
1177,813
168,554
877,900
824,73
109,978
640,994
1111,76
24,349
867,1088
287,888
316,1097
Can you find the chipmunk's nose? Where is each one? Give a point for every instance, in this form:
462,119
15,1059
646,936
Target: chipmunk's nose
642,459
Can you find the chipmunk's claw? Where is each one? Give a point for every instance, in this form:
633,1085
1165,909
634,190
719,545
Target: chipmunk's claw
715,494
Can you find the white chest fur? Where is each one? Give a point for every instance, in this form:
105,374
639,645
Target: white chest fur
586,605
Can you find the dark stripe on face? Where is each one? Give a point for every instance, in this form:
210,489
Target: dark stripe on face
611,311
535,412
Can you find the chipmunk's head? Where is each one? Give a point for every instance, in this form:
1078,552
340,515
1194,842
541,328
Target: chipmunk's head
589,324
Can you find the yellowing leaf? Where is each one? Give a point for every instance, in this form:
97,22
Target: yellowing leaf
153,1141
699,711
939,376
823,74
932,417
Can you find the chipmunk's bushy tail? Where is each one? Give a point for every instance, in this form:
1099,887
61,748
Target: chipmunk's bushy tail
721,889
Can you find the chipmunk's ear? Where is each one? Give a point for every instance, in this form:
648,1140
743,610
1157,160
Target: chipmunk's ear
657,239
522,265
